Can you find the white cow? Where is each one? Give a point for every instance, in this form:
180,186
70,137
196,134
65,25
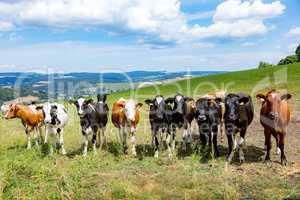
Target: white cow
56,118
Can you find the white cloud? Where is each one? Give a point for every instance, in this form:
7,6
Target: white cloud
294,32
6,26
248,44
152,20
256,9
239,29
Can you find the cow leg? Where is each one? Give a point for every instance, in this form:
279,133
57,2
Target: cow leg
281,146
61,141
268,144
85,143
94,140
221,130
35,136
125,147
28,138
230,146
133,142
215,143
120,135
202,139
277,138
241,145
170,142
152,135
102,137
46,135
155,130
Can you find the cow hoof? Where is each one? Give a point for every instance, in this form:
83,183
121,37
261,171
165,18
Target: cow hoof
242,160
267,162
134,153
84,154
284,162
64,153
156,154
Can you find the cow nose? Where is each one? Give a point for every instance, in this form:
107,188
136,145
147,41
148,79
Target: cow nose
273,115
202,117
232,117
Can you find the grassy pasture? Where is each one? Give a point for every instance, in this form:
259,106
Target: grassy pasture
30,174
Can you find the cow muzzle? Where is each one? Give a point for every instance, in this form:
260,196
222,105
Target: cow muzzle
273,115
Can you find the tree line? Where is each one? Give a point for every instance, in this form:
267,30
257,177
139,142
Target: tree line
285,61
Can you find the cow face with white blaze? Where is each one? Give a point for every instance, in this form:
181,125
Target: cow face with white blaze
83,107
132,114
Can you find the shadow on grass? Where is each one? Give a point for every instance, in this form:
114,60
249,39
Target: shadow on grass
253,154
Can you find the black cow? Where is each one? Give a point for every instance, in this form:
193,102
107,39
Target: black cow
208,116
160,117
238,116
93,118
183,113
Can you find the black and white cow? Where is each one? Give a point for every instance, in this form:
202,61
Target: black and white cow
56,118
183,113
160,117
208,116
93,118
238,116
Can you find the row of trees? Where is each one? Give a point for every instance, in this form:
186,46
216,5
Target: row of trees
285,61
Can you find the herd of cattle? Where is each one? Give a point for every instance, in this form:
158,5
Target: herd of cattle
214,113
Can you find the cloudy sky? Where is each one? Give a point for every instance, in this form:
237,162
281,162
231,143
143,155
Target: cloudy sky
173,35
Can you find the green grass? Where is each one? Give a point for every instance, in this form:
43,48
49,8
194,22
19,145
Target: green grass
30,174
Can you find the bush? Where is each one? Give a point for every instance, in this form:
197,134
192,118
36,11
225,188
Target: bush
263,65
298,53
288,60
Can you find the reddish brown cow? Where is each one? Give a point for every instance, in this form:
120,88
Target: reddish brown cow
274,117
126,114
32,119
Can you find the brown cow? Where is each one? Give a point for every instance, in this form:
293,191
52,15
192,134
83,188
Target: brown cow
126,114
31,117
274,117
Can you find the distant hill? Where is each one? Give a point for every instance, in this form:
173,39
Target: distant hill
83,83
9,79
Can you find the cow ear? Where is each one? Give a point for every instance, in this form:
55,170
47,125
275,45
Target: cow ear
138,105
39,107
89,101
244,100
188,99
261,97
148,101
286,97
169,100
218,100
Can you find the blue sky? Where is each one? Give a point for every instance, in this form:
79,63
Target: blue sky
125,35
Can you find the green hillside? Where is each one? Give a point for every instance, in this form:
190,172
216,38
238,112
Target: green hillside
32,174
241,81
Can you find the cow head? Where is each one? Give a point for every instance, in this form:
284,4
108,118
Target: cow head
83,106
101,98
207,110
272,100
179,103
4,108
50,113
101,104
131,110
232,106
12,111
202,110
157,106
